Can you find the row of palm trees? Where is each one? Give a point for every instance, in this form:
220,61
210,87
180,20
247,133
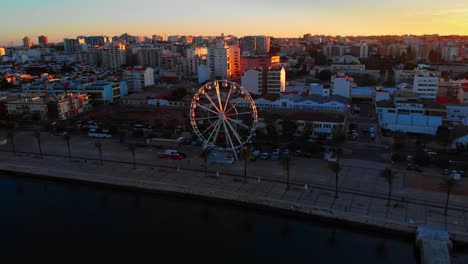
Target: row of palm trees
98,145
447,184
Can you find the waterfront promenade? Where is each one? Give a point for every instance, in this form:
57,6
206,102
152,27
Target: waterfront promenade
313,198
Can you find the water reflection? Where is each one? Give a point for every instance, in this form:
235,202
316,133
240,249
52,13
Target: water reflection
93,223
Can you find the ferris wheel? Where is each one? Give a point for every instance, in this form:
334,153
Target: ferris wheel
223,115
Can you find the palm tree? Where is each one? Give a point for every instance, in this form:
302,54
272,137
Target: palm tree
37,135
336,168
98,145
67,139
389,176
205,153
245,155
447,184
11,137
132,149
287,164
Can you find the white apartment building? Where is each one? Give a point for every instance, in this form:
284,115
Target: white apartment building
457,114
114,56
272,80
252,81
426,84
29,105
224,61
138,77
341,85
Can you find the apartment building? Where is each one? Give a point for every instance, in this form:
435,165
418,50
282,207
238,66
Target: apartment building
264,81
426,84
114,56
138,77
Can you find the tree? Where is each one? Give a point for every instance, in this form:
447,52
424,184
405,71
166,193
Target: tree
287,164
336,168
37,135
289,129
11,137
447,184
67,139
389,176
99,145
410,65
245,155
132,149
443,135
205,153
324,75
338,138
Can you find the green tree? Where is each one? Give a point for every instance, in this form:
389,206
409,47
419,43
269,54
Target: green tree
67,139
336,168
245,155
98,145
288,163
11,137
389,177
37,135
447,184
132,149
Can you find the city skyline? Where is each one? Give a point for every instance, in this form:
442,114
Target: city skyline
59,20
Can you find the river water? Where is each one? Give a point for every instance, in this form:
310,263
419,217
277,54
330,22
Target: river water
55,222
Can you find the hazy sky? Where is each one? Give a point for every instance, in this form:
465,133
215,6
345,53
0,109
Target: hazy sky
59,19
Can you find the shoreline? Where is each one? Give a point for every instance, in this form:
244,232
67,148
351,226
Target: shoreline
362,223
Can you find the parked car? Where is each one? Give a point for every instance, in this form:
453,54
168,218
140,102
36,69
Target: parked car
265,155
275,157
172,154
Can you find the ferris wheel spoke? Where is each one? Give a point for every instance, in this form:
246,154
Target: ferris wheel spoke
238,123
227,99
208,128
232,107
216,128
218,94
234,132
241,113
212,102
207,109
204,118
228,136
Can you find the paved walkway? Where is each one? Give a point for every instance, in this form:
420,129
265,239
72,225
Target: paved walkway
407,212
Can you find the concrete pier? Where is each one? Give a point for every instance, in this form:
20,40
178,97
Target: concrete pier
434,245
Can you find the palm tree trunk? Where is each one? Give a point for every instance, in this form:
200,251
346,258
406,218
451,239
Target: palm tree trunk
100,155
206,169
40,147
245,170
13,147
446,203
287,182
134,161
389,194
336,185
69,152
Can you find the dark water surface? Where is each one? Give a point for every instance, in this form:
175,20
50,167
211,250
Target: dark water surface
55,222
